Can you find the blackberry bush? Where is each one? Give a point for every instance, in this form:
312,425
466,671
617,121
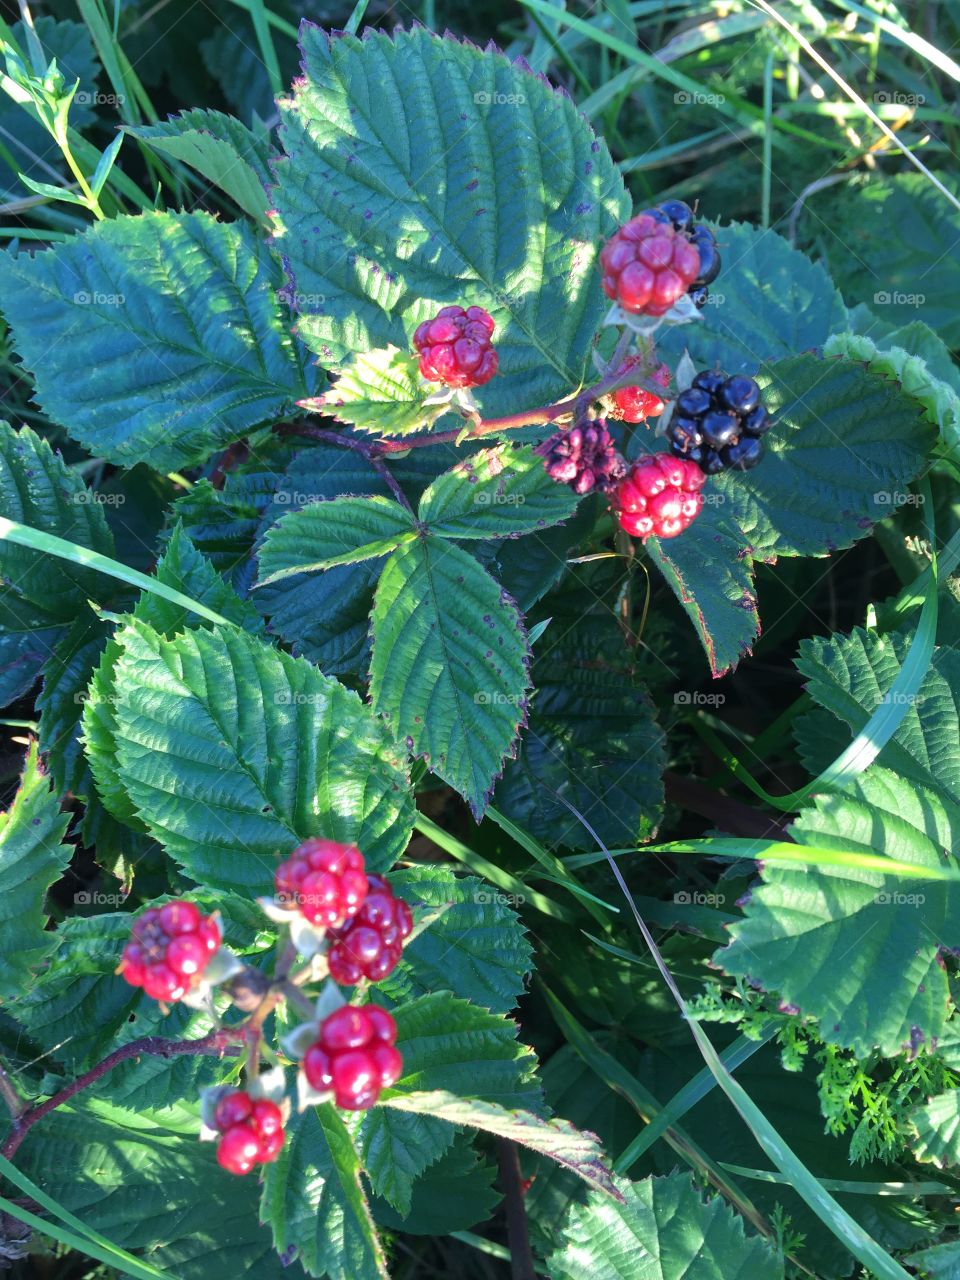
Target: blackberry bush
382,513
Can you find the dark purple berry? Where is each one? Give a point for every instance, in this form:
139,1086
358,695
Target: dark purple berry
719,422
757,423
719,428
708,379
740,394
685,432
743,455
694,401
709,262
680,214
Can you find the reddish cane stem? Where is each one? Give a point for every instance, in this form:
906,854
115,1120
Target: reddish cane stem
214,1044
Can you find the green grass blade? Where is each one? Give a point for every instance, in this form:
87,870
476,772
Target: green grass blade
50,544
832,1214
851,1186
111,1254
736,108
557,869
279,24
885,720
481,866
784,852
685,1099
261,27
616,1077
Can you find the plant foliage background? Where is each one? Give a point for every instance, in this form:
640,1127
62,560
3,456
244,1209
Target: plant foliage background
215,250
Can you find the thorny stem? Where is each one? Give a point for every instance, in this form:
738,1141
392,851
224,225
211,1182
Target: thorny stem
573,406
518,1236
216,1044
222,1041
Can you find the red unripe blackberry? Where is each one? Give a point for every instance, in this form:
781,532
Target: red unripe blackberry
252,1131
370,945
169,947
455,347
633,404
324,881
660,496
354,1056
647,265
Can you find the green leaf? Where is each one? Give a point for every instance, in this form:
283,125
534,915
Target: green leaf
233,753
449,666
325,616
904,266
663,1230
769,302
139,1182
66,674
155,338
381,391
592,739
858,950
577,1151
477,947
341,531
938,399
711,574
39,490
453,1194
456,1046
32,857
399,194
315,1205
23,651
940,1262
447,1044
844,442
937,1126
497,493
851,676
186,570
221,149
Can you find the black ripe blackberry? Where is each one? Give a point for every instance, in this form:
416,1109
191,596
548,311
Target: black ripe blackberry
719,422
680,216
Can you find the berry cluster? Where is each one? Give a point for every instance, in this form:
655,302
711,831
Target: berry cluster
169,948
719,423
324,893
647,265
455,347
369,946
324,881
680,217
633,404
355,1056
251,1131
660,496
583,457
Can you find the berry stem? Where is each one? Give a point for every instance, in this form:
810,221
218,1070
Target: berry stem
573,406
297,997
215,1044
518,1236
